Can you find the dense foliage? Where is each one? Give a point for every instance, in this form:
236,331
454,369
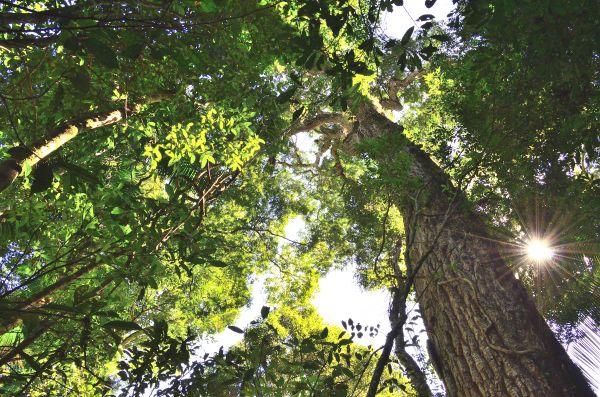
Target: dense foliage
150,170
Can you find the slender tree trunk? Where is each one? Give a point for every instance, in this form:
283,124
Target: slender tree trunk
8,354
14,318
54,14
11,168
7,44
414,373
486,335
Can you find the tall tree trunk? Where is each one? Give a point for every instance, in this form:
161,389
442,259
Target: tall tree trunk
487,337
11,168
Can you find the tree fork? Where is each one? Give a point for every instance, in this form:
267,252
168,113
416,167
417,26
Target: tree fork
12,167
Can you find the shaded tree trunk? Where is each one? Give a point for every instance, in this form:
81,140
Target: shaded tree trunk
486,335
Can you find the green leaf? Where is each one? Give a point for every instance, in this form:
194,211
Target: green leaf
208,6
307,347
116,211
103,53
126,229
123,325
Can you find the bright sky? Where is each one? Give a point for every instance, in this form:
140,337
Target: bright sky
339,296
396,23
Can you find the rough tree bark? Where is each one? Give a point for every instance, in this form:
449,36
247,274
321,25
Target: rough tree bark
487,337
12,167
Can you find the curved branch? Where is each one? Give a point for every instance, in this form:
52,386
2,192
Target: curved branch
12,167
320,120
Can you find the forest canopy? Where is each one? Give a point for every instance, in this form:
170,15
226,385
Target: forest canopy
149,167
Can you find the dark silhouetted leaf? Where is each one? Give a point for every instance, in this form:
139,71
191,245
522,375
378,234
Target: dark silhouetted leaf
440,37
311,365
72,44
80,80
42,175
324,333
133,51
335,23
307,347
236,329
426,26
298,113
287,95
31,361
407,36
428,51
248,375
217,263
264,312
367,45
19,152
102,52
429,3
426,17
123,325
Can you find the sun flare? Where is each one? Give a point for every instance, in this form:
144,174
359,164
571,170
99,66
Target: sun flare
538,250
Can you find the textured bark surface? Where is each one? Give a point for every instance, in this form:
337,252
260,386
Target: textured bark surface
488,337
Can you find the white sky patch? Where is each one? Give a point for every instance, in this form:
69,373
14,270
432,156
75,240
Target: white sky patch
305,142
295,227
340,298
396,23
